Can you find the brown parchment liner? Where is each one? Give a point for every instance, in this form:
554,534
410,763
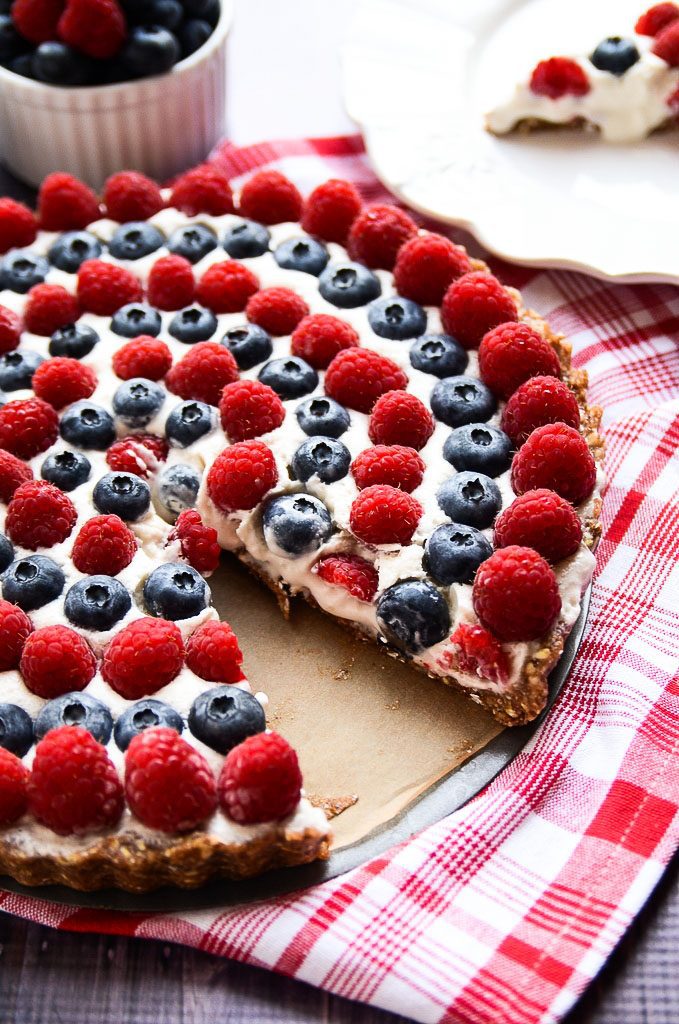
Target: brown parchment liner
372,735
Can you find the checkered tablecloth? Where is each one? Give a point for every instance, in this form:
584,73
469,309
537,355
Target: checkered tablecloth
504,911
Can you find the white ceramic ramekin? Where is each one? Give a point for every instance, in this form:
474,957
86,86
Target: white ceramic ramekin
159,125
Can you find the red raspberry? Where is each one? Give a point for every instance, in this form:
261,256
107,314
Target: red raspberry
28,426
241,475
10,329
270,198
15,627
666,44
74,786
473,305
168,783
66,204
48,307
226,287
357,377
516,595
512,353
203,372
248,409
559,76
384,515
39,515
400,418
140,454
143,357
13,788
61,381
557,457
276,310
18,226
56,660
672,102
171,285
105,287
13,473
213,653
144,656
198,543
203,189
104,545
95,27
656,18
426,265
319,337
477,652
260,780
129,195
378,233
538,401
331,209
37,20
395,465
541,520
351,572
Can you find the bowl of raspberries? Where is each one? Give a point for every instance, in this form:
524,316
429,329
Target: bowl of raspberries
93,85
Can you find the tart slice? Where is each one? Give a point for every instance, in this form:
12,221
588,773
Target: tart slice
624,87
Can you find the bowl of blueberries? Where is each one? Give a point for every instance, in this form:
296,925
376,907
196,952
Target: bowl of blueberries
90,86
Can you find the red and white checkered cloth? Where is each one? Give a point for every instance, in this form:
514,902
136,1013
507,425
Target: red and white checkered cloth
505,910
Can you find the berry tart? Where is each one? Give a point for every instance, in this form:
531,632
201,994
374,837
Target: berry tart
626,88
356,409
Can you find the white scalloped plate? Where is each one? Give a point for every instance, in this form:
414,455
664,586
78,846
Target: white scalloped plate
418,76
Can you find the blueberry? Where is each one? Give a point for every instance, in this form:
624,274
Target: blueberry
73,341
149,50
246,239
479,446
137,401
470,498
192,242
192,34
76,709
32,582
454,552
224,716
175,591
134,319
322,416
17,369
323,457
439,354
413,615
66,470
71,250
176,489
22,65
290,377
11,43
616,55
305,254
16,729
207,9
133,240
295,524
460,400
21,269
168,13
59,64
249,345
87,425
188,422
6,552
397,318
145,714
348,285
97,602
193,324
122,494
